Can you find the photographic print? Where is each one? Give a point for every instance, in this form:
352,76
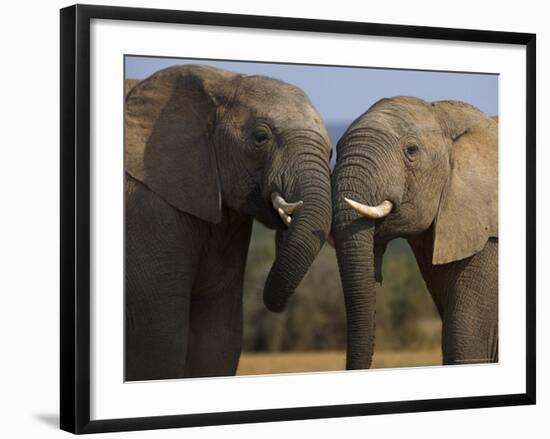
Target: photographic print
303,221
284,218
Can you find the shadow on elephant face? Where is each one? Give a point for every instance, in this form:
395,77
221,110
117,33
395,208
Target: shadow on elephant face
202,137
207,140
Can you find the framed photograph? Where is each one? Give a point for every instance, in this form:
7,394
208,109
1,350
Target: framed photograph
273,218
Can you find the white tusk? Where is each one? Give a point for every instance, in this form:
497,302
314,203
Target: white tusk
287,219
373,212
280,202
283,208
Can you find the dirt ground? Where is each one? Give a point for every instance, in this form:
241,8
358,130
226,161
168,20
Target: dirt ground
287,362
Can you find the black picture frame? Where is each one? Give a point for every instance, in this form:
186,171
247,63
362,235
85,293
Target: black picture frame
75,217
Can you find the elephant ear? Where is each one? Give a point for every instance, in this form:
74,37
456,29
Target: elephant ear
168,118
468,209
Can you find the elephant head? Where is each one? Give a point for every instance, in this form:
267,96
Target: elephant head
408,167
203,138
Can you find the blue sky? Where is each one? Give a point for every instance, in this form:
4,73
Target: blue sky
341,94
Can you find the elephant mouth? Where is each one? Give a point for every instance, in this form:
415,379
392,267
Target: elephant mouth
285,209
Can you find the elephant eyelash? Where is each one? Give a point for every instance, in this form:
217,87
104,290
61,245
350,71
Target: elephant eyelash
261,139
261,136
411,149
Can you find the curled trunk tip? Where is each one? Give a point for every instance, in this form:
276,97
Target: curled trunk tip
297,246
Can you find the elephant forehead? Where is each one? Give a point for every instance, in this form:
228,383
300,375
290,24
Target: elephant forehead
400,118
285,105
295,116
267,93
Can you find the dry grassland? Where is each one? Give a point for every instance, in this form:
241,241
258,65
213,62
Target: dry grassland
289,362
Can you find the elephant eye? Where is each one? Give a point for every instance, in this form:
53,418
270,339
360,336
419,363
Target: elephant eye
411,150
261,135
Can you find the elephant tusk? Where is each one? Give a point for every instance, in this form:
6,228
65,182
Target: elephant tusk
280,202
283,208
373,212
287,219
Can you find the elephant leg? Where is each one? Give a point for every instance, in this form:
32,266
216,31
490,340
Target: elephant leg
470,320
157,317
159,275
462,345
216,314
216,332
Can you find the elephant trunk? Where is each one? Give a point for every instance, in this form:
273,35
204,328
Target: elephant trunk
355,247
353,238
299,244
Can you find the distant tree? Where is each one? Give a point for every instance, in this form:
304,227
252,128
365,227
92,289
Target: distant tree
315,316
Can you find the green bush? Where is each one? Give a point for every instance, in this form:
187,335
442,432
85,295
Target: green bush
315,317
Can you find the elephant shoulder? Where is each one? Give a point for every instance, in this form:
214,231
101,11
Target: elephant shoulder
135,191
143,204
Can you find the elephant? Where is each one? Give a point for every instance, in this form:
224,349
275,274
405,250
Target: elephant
426,172
206,152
